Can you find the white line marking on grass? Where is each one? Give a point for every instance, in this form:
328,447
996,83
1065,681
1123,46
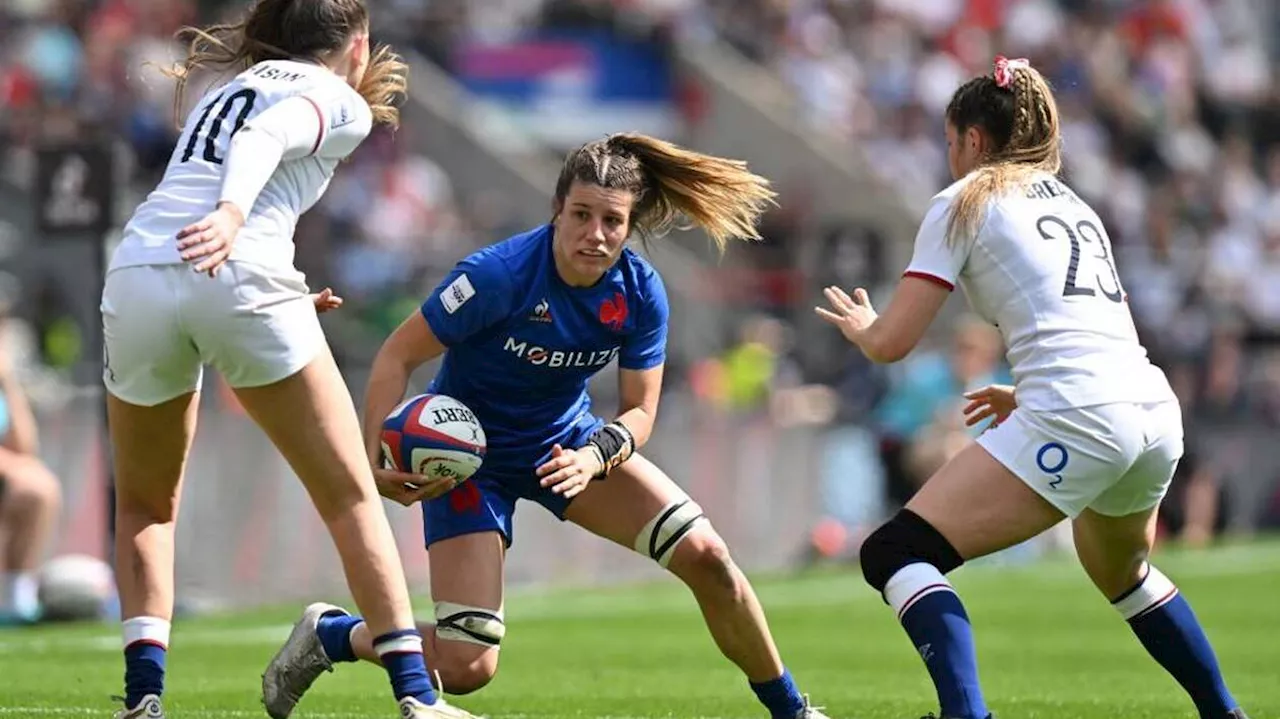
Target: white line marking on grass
111,643
241,713
103,710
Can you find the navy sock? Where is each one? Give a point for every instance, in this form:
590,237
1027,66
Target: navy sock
780,696
334,631
143,671
401,654
938,625
1172,635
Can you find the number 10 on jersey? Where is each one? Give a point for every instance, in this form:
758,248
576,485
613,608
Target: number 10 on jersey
243,100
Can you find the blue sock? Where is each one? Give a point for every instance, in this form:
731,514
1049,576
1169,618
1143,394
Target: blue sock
143,671
334,631
401,654
780,696
938,625
146,641
1172,635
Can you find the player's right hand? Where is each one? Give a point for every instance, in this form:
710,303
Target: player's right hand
409,489
995,400
853,315
325,300
207,243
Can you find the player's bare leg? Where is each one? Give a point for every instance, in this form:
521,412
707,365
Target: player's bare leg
622,506
980,506
30,498
1114,552
311,419
150,448
971,507
466,571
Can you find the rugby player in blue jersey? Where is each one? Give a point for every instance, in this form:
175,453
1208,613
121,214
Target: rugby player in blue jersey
523,325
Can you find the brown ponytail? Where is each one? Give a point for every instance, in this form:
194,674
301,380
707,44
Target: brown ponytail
717,194
304,30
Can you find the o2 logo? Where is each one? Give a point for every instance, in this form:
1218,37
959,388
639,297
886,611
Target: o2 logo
1052,459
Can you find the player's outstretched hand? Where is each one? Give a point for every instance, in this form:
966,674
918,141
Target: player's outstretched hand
569,471
409,489
326,300
853,315
207,243
995,400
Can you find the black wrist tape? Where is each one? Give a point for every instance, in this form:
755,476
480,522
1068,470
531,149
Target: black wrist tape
615,444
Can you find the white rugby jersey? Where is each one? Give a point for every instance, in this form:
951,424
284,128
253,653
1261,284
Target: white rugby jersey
313,112
1041,269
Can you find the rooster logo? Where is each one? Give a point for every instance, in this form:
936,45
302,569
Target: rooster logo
541,311
613,312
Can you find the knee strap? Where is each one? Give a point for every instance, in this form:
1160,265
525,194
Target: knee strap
474,625
658,539
905,539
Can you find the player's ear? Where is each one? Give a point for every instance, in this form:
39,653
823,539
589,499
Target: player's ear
976,140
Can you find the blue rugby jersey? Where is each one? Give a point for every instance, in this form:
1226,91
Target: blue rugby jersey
522,344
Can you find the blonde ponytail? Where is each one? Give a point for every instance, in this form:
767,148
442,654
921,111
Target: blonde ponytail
1032,141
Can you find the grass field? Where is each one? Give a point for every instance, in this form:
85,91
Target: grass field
1050,649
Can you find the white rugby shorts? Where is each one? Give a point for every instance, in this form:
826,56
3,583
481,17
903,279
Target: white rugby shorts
1116,459
162,323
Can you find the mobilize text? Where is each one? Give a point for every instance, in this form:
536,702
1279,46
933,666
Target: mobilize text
559,358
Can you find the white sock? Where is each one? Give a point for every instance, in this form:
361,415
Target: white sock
22,593
912,583
407,643
146,629
1154,591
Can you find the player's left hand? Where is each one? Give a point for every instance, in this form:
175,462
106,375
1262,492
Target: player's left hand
326,300
853,315
207,243
995,400
569,471
409,489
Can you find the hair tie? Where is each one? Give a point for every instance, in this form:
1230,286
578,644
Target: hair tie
1005,68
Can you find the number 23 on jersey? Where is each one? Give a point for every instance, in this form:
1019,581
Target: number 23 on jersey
1091,280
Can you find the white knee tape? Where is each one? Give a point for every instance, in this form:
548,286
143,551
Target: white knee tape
475,625
667,529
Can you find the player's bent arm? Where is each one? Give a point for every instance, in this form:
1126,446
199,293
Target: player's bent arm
615,442
898,329
411,345
288,130
638,393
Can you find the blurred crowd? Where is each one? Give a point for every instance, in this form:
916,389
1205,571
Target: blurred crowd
1170,110
1171,116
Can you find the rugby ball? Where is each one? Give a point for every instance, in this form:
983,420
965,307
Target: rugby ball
435,436
76,587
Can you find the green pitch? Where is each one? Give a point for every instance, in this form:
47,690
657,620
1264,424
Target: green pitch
1051,649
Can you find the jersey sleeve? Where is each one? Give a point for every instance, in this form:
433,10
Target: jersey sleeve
284,131
474,297
646,346
330,123
345,120
935,259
